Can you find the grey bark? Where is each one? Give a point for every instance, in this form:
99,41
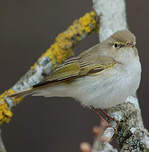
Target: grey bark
131,136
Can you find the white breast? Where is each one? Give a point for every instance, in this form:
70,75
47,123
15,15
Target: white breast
110,88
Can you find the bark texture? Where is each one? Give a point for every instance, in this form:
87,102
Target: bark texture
131,136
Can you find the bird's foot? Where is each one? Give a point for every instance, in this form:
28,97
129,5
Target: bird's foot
108,127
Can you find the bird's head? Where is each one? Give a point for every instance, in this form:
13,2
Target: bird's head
120,46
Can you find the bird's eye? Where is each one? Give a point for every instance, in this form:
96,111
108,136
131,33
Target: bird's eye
117,45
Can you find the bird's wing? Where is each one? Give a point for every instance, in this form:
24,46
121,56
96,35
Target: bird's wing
85,64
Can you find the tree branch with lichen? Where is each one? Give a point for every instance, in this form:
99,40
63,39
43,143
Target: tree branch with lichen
58,52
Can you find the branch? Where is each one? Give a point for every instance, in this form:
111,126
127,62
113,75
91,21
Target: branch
59,51
131,134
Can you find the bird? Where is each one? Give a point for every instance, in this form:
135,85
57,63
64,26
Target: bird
101,77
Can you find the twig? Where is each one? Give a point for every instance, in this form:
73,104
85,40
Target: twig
61,49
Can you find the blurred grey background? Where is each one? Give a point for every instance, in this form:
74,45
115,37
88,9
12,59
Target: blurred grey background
27,29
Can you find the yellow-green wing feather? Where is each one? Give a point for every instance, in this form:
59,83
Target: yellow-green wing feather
85,64
65,71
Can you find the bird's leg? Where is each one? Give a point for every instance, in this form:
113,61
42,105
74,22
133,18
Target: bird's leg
111,119
97,110
104,121
108,117
99,131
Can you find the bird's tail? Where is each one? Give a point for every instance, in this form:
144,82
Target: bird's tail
23,93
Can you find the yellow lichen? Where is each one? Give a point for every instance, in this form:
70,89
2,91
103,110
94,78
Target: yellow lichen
5,113
86,20
33,67
61,49
10,92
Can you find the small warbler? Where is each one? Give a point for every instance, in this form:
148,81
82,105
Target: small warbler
102,76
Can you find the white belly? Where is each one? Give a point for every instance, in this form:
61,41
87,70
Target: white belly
105,90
